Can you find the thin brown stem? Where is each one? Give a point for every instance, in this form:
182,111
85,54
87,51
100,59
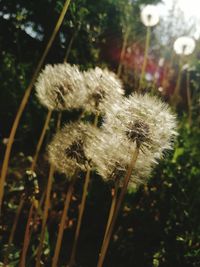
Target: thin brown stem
62,222
25,100
124,45
41,139
148,35
166,77
189,100
45,215
117,209
80,216
32,217
112,209
175,99
82,206
12,233
71,43
47,203
26,238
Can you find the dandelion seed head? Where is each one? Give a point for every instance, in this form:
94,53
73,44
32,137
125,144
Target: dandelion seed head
111,158
184,45
146,121
60,87
67,149
103,88
149,15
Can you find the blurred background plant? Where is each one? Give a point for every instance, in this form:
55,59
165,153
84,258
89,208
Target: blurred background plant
159,225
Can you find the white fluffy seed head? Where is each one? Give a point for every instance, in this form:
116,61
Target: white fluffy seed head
145,121
184,45
60,87
67,149
149,15
111,157
103,88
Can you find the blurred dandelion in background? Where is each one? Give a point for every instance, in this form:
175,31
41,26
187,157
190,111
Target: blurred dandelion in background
150,15
184,45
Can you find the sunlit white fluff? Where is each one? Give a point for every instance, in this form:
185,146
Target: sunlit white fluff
184,45
149,15
67,149
60,87
111,157
103,89
145,121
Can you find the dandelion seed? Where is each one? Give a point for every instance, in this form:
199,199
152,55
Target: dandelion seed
61,87
104,88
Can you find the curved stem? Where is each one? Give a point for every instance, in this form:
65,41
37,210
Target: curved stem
25,100
117,209
32,217
26,238
80,216
166,77
112,209
71,43
124,45
47,203
62,222
45,215
12,233
82,206
41,139
148,35
175,99
189,98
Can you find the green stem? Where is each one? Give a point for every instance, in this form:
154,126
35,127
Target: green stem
124,45
148,35
175,99
189,100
